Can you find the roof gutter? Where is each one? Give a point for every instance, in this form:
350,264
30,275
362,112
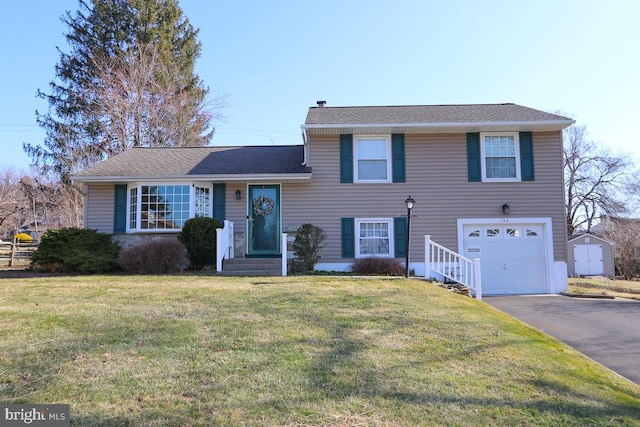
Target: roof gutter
452,125
294,177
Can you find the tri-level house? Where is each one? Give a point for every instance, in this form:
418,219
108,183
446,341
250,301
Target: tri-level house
487,180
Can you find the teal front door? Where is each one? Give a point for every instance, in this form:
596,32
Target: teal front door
264,220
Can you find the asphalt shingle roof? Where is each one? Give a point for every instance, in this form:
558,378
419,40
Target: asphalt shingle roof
403,114
189,161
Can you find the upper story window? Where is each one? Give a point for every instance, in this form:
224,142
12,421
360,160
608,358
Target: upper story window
372,158
166,207
500,156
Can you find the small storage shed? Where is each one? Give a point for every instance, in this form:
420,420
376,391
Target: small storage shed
590,255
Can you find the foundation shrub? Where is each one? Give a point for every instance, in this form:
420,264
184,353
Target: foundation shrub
76,250
306,246
156,256
199,237
378,266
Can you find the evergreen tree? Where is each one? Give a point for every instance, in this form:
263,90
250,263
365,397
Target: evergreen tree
128,80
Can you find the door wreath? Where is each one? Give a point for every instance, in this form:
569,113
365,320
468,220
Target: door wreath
262,206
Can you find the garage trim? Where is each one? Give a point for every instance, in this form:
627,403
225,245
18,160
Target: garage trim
548,238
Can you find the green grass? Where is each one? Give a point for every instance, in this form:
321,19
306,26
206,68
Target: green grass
186,351
604,286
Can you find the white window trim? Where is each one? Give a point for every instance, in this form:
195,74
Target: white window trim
516,140
192,199
192,204
359,221
356,179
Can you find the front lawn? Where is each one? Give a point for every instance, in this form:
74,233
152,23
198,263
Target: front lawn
187,350
604,286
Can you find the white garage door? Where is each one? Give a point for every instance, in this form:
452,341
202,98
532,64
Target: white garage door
513,257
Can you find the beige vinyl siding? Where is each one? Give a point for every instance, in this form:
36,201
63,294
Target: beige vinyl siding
236,210
99,207
436,176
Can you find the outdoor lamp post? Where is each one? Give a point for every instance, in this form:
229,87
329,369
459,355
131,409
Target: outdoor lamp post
410,203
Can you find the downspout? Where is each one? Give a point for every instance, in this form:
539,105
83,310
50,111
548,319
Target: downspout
304,142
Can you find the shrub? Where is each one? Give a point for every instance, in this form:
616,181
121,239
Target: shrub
199,237
306,246
156,256
75,250
378,266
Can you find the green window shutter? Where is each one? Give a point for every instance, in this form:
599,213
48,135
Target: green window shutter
400,236
348,238
218,199
397,156
346,158
120,209
474,157
526,156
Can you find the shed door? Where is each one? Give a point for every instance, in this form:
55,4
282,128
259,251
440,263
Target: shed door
588,260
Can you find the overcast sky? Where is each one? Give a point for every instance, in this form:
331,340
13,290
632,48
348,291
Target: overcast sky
275,59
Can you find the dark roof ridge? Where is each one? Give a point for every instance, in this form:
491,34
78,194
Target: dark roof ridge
212,146
418,105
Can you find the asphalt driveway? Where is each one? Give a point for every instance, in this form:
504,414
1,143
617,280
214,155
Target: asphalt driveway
606,330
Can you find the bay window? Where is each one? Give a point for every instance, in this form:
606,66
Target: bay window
166,207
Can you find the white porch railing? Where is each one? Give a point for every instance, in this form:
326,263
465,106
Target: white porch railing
224,244
283,248
452,266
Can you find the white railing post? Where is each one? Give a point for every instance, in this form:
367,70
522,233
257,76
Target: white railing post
427,256
224,244
228,225
219,249
284,250
477,278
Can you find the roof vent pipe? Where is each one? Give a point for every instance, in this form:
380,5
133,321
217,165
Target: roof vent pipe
321,103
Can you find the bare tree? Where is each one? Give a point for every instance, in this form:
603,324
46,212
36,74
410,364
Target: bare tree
625,233
10,200
597,182
50,204
37,204
139,104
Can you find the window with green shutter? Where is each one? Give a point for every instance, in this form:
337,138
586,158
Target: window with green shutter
400,236
397,157
346,158
120,209
500,156
348,238
219,191
474,168
526,156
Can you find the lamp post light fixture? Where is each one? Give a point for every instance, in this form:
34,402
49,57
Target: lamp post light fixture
410,202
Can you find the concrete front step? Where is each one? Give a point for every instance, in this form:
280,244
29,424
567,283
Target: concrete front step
252,267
